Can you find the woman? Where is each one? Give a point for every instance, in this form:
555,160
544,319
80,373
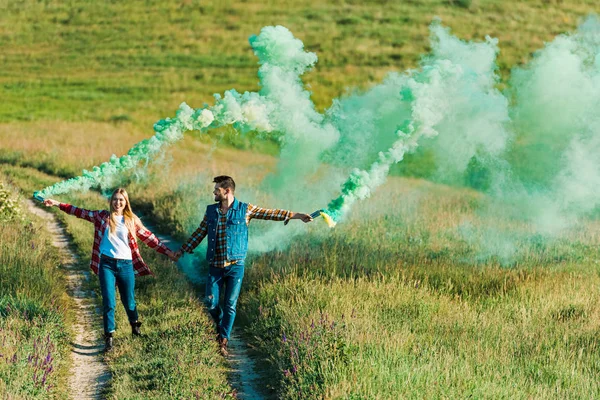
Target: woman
116,257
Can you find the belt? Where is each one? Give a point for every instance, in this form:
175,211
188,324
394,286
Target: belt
226,264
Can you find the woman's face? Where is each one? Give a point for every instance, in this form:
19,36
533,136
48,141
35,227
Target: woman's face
118,203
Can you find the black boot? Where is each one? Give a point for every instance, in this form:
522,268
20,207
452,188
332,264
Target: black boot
135,328
108,342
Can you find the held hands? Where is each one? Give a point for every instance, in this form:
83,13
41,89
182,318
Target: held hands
50,203
174,255
178,254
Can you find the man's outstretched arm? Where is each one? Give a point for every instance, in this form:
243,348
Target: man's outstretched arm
194,240
274,214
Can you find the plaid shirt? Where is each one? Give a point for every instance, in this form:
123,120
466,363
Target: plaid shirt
220,260
100,220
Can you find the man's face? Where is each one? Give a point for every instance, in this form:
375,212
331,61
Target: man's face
220,193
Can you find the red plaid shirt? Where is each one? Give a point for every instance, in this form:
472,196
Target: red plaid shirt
100,220
220,258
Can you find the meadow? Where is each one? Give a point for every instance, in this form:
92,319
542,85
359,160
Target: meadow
393,303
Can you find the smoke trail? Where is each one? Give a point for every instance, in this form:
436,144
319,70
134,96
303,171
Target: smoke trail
107,175
453,94
281,105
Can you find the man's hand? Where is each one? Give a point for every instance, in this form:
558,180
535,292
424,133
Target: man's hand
50,203
304,217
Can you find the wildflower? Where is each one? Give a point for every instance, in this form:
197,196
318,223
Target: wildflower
284,338
286,373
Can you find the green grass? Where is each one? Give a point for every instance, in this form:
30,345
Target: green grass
136,61
34,309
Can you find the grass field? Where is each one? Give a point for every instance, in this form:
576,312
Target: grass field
402,300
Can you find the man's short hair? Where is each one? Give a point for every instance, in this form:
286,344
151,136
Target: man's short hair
225,182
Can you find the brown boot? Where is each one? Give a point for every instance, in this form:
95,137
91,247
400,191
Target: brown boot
223,347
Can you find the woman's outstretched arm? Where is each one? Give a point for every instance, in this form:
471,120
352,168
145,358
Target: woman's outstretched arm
82,213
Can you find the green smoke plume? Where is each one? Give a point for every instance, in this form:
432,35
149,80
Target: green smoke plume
452,97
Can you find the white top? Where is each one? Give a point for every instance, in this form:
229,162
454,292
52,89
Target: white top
116,245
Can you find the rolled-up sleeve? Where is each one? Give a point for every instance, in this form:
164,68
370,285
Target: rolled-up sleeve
272,214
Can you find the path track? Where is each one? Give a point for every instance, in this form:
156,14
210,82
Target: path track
89,374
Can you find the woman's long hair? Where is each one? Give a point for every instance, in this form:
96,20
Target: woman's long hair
132,222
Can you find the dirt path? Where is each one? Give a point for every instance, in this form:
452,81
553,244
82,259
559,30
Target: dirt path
243,376
89,374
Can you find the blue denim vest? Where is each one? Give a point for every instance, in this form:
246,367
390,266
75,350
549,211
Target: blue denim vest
237,230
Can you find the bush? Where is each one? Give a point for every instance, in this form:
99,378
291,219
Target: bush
9,206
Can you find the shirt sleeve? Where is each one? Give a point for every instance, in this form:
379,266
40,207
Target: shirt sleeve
151,240
196,237
267,213
82,213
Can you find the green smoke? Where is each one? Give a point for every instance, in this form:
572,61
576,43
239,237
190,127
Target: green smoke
451,98
534,147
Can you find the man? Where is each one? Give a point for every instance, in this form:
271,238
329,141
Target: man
226,225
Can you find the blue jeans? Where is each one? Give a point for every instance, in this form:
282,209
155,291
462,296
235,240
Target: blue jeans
114,272
231,277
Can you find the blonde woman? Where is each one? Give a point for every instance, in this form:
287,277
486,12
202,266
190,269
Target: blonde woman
116,257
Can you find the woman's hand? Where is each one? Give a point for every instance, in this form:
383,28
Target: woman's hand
51,202
172,255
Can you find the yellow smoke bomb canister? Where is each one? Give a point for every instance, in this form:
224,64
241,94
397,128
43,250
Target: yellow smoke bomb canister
321,213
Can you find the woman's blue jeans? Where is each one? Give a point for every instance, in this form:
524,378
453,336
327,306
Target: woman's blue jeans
231,277
119,273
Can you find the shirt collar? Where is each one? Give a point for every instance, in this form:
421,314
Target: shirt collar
235,204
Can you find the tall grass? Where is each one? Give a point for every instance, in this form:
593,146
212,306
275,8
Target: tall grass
409,304
34,308
387,305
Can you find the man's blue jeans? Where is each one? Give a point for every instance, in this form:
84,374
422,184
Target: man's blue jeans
231,277
120,273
